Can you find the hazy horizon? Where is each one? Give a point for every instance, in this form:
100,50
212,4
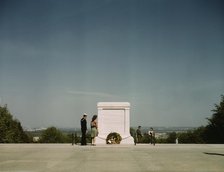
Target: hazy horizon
58,59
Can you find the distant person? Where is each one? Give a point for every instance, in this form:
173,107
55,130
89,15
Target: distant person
152,136
72,139
138,135
94,131
83,129
176,140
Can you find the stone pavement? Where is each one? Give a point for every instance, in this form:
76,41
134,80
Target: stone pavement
111,158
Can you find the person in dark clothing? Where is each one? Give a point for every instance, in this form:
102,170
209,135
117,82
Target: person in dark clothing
83,129
72,139
138,135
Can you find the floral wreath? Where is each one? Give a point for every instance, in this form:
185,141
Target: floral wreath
113,138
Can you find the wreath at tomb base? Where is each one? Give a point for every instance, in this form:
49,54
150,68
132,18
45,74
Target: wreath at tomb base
113,138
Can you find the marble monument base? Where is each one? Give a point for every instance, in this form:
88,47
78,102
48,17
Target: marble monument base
125,140
114,117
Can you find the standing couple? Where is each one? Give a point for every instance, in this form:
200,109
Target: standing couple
139,136
94,131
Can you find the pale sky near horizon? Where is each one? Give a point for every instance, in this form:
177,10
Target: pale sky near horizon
59,58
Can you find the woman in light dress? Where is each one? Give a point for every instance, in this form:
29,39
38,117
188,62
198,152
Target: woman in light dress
94,131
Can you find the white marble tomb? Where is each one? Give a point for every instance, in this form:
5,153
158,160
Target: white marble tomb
114,117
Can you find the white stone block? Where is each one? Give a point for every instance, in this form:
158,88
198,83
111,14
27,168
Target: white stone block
114,117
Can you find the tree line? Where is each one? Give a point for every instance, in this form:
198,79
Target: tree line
11,131
213,132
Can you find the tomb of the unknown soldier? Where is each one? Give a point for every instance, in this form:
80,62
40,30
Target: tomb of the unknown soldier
114,117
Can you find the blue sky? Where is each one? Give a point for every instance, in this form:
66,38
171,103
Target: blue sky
59,58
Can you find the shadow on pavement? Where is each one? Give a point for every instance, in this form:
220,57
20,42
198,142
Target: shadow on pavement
210,153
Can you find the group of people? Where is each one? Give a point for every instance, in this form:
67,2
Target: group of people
94,131
139,135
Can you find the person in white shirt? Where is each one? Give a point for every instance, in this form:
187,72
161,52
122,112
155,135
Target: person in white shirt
152,136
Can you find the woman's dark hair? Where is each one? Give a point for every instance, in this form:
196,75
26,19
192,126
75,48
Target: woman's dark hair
94,117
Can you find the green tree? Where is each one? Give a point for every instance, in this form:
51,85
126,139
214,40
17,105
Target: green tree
192,136
145,138
198,134
171,137
214,131
11,130
76,138
53,135
133,134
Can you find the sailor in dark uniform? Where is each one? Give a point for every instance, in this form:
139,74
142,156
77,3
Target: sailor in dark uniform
83,129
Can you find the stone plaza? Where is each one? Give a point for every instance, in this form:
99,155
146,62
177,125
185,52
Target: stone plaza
111,158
